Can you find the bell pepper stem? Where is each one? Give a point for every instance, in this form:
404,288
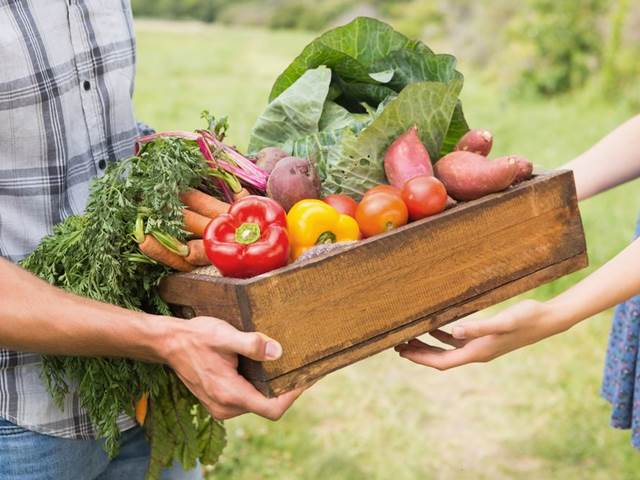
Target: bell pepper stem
326,237
248,233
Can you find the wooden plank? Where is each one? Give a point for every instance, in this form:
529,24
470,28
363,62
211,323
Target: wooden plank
469,253
312,371
197,295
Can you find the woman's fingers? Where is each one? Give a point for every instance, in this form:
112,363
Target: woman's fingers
447,338
440,358
501,323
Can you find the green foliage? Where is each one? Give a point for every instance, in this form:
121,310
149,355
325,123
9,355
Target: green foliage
566,44
203,10
95,256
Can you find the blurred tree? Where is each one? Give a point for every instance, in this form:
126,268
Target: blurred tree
613,68
566,41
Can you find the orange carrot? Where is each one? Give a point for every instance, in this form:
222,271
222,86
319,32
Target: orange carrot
154,249
197,255
194,222
243,193
203,204
142,406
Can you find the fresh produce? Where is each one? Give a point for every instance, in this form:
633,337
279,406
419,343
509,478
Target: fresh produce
197,256
194,222
467,176
203,204
424,195
142,407
476,141
268,157
314,222
350,93
406,158
293,179
155,250
380,212
343,203
384,188
249,240
97,255
525,167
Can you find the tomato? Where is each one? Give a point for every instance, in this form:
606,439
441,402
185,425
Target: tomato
380,211
342,203
383,188
424,195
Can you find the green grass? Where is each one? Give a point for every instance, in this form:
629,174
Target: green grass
535,414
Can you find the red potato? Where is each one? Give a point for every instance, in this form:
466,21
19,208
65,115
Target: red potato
468,176
525,167
406,158
292,180
475,141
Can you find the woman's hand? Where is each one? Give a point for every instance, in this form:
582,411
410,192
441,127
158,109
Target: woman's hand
522,324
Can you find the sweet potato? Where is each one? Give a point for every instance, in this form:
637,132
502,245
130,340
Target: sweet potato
268,157
406,158
468,176
525,168
476,141
292,180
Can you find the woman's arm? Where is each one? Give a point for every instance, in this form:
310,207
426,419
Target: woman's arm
612,161
529,321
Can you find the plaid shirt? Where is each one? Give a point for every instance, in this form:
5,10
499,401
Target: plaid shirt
66,80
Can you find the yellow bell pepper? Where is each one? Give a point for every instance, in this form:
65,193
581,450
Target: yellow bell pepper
313,222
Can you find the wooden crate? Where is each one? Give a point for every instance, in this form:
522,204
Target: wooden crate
332,311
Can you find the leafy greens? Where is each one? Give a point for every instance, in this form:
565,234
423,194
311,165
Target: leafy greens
351,92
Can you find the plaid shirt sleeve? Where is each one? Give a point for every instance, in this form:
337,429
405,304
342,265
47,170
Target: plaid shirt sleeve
66,80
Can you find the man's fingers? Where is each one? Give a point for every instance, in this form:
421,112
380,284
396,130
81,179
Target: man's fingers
253,345
271,408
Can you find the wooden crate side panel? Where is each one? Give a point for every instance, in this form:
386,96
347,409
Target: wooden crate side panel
204,297
314,370
457,258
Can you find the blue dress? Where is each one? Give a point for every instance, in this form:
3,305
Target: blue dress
621,382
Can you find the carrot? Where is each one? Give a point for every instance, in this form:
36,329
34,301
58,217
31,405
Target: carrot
241,194
154,249
203,204
194,222
197,255
142,406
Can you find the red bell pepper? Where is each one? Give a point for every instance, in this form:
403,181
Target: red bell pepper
248,240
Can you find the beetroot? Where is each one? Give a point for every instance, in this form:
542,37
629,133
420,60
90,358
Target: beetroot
476,141
406,158
293,179
268,157
468,176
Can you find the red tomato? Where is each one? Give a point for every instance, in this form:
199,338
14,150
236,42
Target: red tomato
424,195
342,203
379,212
383,188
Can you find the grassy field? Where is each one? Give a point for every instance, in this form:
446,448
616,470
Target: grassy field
535,414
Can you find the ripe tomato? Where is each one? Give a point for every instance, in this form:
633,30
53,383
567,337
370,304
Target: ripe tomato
383,188
379,212
342,203
424,195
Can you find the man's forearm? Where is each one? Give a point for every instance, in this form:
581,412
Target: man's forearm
37,317
612,161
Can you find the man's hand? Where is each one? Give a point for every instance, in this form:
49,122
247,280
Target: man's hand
204,353
522,324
